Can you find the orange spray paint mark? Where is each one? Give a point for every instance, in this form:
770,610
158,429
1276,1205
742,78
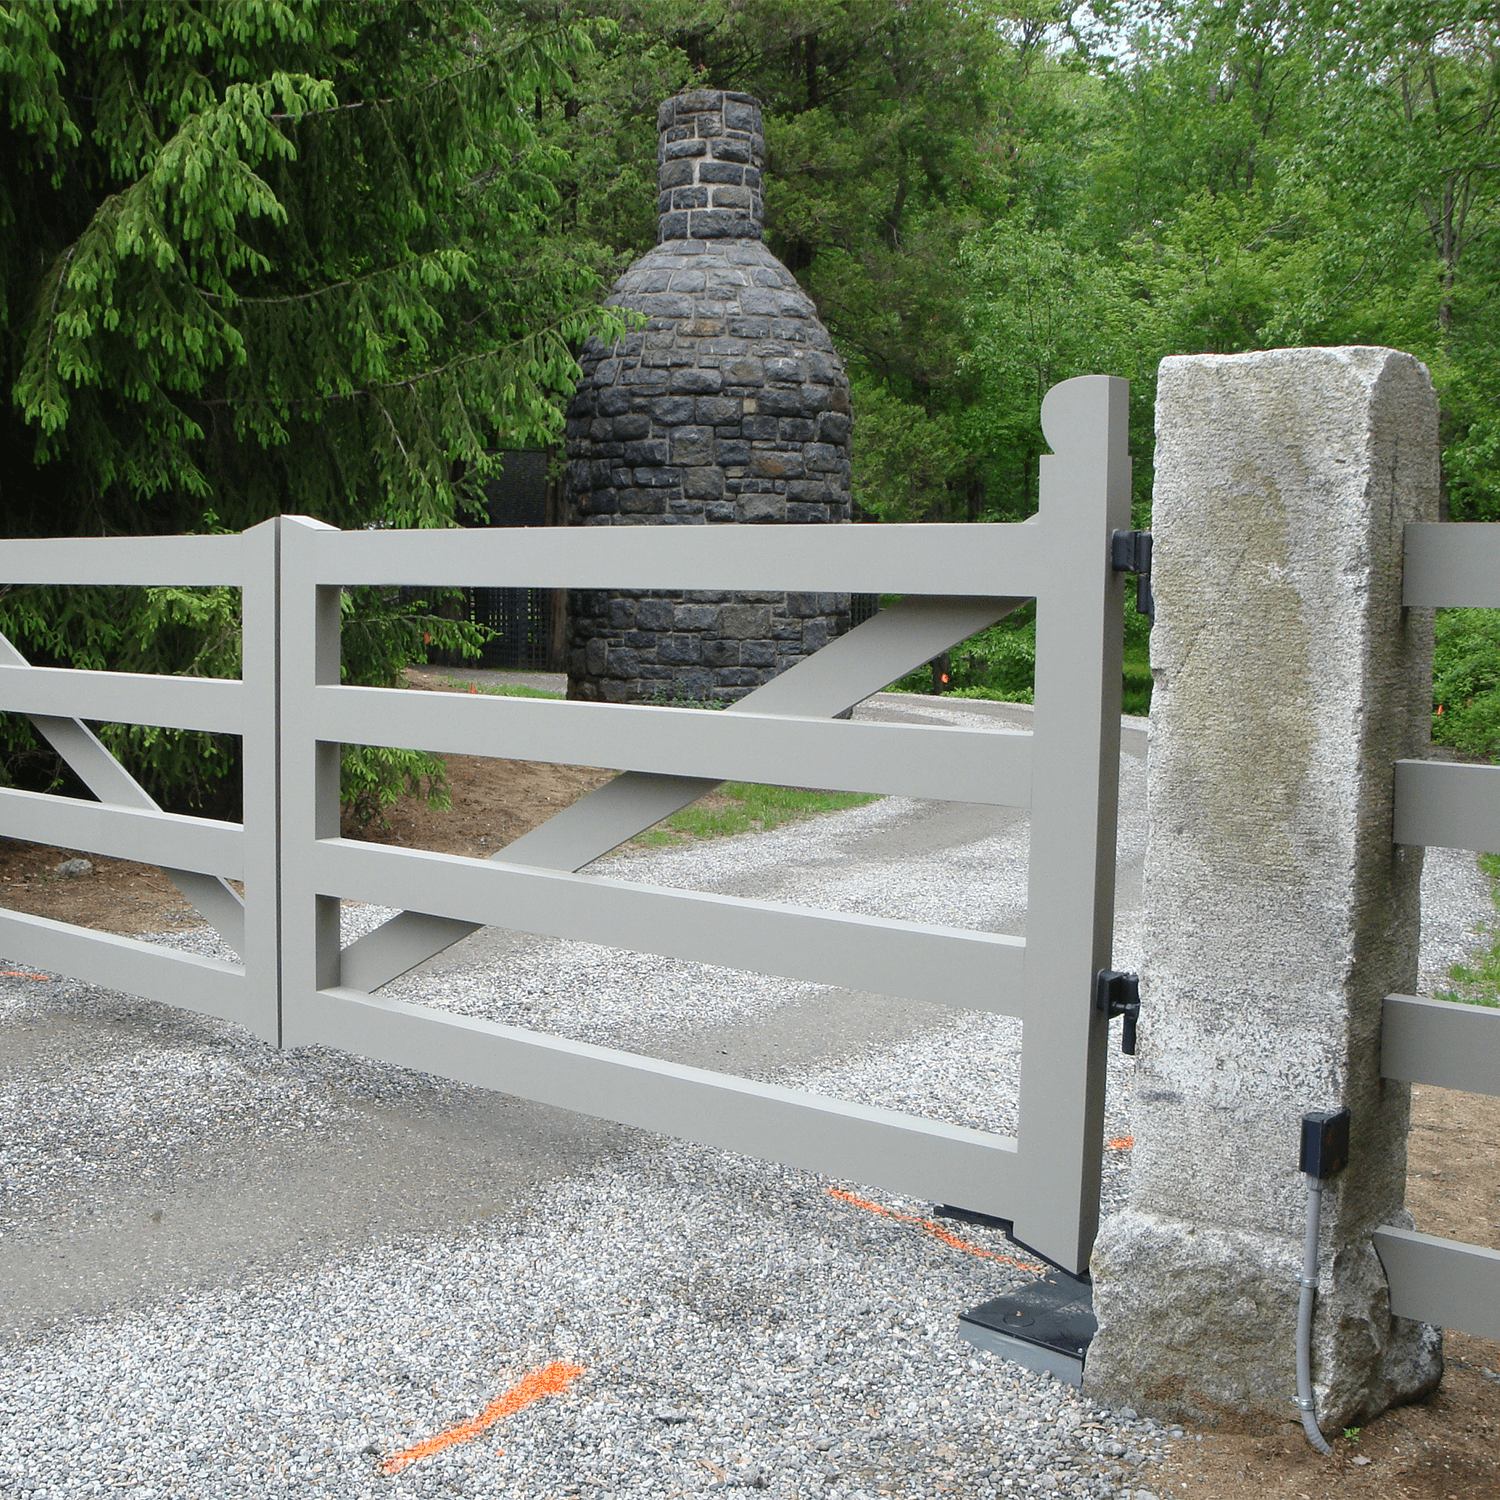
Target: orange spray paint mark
934,1229
21,974
550,1380
1122,1143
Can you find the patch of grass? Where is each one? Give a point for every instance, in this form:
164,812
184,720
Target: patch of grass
1135,693
1478,981
743,807
502,689
993,695
663,699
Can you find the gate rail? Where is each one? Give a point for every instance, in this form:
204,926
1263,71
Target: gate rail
1453,806
199,854
297,986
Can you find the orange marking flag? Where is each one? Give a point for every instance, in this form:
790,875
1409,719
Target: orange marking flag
935,1230
550,1380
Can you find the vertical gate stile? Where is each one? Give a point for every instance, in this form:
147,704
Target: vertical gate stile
260,773
308,622
1085,496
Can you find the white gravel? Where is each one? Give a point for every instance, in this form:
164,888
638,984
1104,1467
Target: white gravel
737,1325
731,1319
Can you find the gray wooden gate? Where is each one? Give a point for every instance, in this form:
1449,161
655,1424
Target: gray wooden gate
295,987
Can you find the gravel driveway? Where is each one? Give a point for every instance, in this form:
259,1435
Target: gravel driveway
233,1272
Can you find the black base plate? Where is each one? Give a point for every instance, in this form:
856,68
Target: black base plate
1045,1325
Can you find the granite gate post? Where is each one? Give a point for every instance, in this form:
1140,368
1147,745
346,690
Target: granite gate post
1278,911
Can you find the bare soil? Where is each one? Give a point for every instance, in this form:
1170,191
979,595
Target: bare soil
1445,1448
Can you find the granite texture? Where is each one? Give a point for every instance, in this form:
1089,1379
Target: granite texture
1278,910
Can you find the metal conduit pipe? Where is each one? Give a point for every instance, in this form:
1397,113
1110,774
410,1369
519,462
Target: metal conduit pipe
1325,1151
1309,1288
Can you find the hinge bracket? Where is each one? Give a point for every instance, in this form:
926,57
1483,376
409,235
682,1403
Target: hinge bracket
1130,552
1119,994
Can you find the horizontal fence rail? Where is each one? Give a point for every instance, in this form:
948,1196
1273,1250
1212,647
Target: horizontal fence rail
183,561
209,986
902,1153
876,559
1452,563
205,703
944,965
1448,805
156,838
1441,1281
902,760
1439,1042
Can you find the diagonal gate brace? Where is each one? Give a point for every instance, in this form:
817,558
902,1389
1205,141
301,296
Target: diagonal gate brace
215,900
845,672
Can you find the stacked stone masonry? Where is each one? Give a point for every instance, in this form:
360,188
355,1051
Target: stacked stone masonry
729,406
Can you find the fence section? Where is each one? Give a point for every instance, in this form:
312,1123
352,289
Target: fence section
954,581
295,984
1437,1042
200,855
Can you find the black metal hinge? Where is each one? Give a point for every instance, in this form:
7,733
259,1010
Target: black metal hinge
1130,552
1119,994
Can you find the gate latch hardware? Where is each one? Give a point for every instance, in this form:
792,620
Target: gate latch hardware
1130,552
1117,994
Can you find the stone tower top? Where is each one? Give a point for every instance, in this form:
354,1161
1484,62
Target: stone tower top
710,151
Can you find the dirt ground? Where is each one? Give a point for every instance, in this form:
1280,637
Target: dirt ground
1446,1448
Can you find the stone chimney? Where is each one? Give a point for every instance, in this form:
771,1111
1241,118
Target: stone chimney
710,154
729,406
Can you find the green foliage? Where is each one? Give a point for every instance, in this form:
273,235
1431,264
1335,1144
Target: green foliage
1466,703
373,777
985,199
661,698
258,258
905,461
1466,682
383,633
292,252
1040,311
322,256
1135,696
1477,982
752,808
999,664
